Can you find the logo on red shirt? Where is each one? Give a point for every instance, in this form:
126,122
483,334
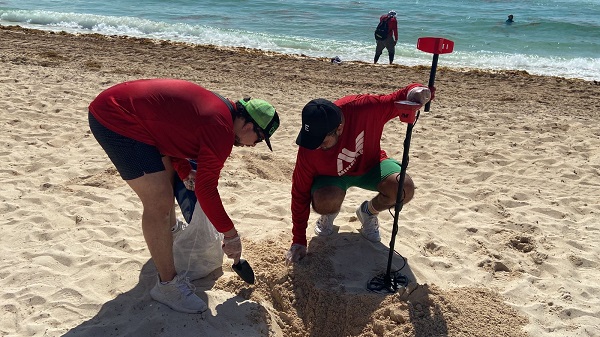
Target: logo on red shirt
349,157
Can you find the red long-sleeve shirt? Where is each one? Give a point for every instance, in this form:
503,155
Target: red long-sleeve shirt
184,121
357,151
392,26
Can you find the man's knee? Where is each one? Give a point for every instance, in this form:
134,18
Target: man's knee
155,192
409,189
327,200
389,188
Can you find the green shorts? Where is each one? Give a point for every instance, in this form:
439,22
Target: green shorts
368,181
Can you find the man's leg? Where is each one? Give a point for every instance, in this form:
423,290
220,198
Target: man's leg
327,200
378,50
391,48
382,178
388,190
369,210
155,191
150,175
133,160
328,193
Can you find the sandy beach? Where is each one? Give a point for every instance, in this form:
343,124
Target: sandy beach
502,237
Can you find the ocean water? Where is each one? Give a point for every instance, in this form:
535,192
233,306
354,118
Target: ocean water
548,37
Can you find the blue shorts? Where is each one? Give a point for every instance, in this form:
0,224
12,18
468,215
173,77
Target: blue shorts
132,158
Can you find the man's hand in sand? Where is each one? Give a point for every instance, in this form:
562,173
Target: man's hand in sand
295,254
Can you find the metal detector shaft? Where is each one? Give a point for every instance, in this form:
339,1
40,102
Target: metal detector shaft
399,204
432,77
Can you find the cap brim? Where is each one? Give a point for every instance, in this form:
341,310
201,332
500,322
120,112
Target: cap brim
268,141
307,142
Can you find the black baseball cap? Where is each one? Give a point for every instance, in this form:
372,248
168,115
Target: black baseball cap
319,118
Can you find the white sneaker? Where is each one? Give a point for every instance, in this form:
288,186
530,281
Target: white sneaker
370,224
179,295
324,225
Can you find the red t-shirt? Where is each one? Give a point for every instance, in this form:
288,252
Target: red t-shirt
357,151
392,26
184,121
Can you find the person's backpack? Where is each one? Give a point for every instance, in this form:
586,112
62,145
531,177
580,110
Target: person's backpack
381,32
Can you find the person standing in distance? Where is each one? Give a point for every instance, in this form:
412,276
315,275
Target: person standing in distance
340,148
389,42
149,129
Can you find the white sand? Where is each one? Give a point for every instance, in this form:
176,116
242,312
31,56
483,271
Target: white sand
502,236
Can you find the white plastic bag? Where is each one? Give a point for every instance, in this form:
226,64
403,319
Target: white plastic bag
197,248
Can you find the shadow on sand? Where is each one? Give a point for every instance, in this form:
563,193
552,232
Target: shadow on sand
134,313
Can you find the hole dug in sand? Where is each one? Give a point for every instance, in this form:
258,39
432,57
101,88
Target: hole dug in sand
325,295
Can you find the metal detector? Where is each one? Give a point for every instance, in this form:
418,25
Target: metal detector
409,113
435,46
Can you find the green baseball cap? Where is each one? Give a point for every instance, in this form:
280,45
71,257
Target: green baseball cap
264,115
